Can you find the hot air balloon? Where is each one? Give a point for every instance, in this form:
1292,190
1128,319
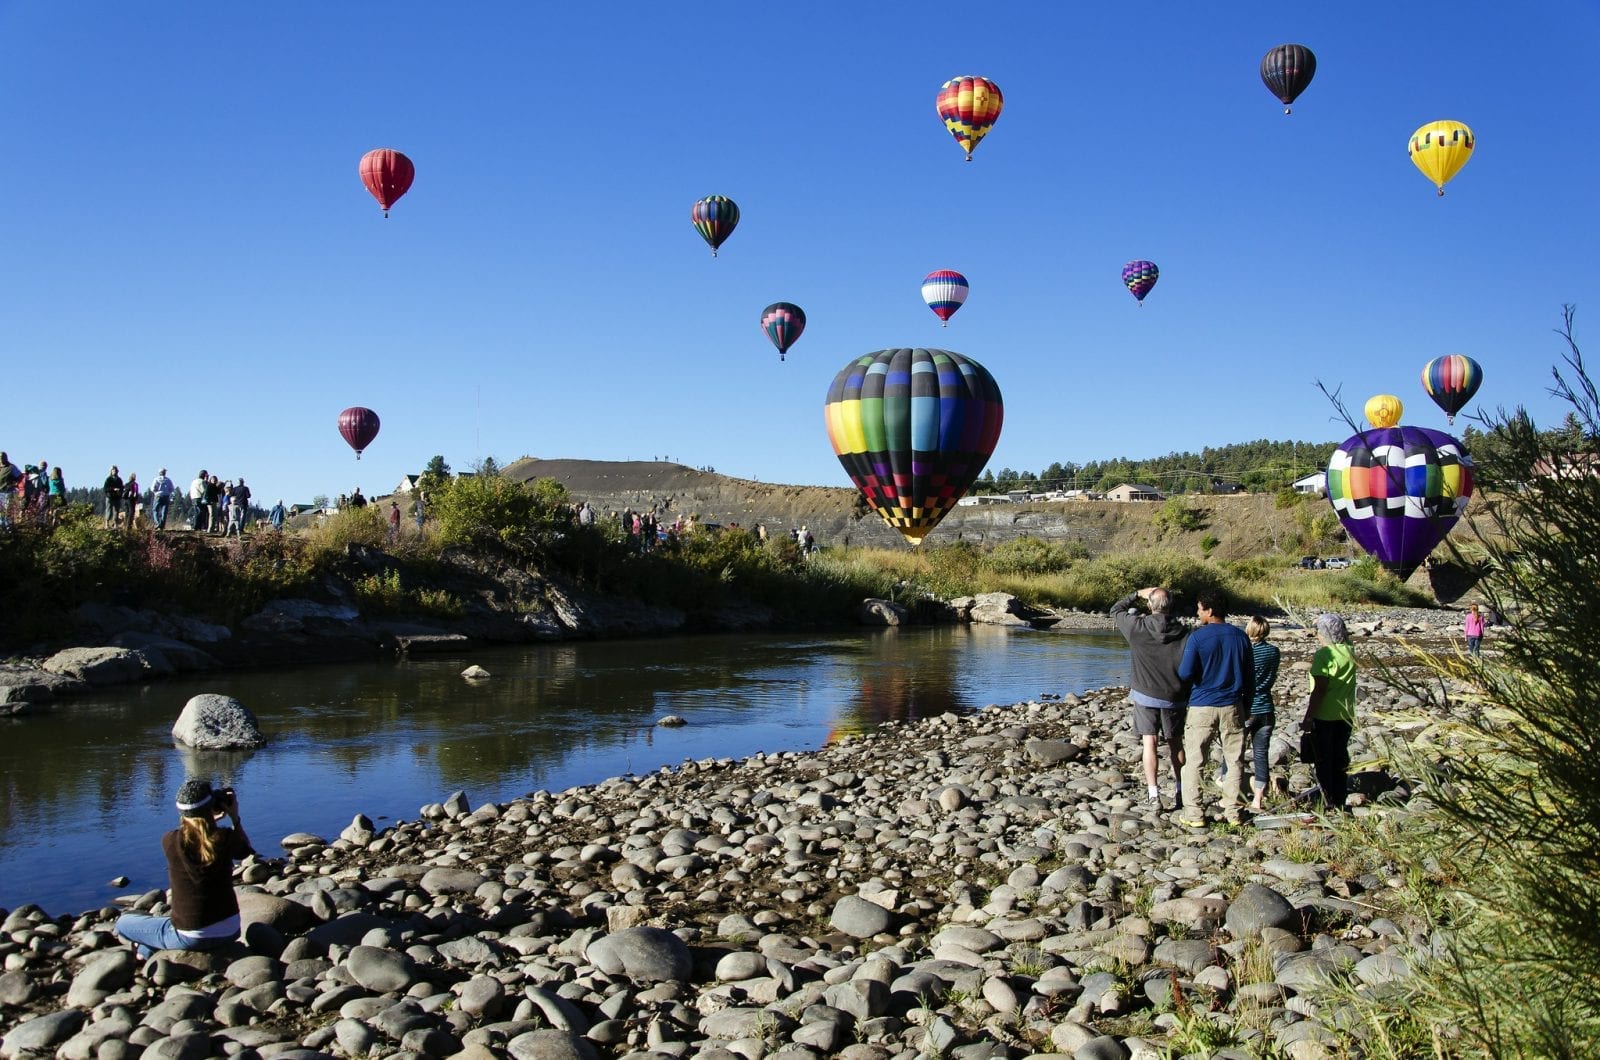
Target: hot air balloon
913,428
1384,410
715,218
783,322
1440,149
945,291
1286,71
387,174
1451,381
1140,276
359,426
1398,491
969,106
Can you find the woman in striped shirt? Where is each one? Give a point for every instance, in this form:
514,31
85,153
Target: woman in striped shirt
1258,730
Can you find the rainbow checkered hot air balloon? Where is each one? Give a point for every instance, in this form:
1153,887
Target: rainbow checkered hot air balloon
945,291
913,429
1140,276
715,218
1398,491
783,322
1451,381
969,107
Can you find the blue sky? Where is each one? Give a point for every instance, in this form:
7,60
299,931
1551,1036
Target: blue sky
191,273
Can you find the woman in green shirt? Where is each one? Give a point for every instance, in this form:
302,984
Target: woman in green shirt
1331,712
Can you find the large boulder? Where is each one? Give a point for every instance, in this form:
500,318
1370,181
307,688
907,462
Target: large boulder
215,722
100,666
158,649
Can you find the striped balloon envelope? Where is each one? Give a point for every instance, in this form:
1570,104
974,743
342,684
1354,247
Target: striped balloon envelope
783,322
1440,149
969,106
1451,381
913,429
715,218
945,291
1398,491
1140,276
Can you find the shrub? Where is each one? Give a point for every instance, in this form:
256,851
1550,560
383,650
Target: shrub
1175,514
1518,819
1032,555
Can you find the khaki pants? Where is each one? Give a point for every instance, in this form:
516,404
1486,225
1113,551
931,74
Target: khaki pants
1203,726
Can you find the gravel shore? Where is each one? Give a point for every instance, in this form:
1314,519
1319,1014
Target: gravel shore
995,885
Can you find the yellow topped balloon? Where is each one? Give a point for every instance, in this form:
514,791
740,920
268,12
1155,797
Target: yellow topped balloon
1440,149
1384,410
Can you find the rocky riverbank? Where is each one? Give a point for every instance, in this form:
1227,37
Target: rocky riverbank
983,886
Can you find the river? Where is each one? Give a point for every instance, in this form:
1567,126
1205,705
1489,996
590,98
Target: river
88,784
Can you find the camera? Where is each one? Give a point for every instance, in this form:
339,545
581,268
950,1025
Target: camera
224,798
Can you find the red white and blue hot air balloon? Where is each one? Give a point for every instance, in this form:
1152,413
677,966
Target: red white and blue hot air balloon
945,291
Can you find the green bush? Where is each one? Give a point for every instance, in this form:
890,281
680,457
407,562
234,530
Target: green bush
1175,514
1513,848
525,518
1032,555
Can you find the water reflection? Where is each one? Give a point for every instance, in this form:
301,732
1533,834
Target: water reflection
88,787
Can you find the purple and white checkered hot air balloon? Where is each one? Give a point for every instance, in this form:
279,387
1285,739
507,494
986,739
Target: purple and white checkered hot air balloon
1140,276
945,290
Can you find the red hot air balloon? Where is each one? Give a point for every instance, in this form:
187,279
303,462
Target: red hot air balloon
387,174
359,426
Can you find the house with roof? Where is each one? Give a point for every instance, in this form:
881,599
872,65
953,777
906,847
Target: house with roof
1132,492
1315,485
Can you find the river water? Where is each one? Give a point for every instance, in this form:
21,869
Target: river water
88,785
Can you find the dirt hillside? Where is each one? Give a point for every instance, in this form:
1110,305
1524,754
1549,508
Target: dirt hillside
1246,525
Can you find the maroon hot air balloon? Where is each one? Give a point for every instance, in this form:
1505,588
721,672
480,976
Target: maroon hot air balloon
359,426
387,174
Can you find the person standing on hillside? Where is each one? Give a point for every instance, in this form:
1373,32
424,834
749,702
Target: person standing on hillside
112,488
213,496
275,517
132,496
197,502
1158,694
1217,661
160,499
1472,629
394,522
1331,710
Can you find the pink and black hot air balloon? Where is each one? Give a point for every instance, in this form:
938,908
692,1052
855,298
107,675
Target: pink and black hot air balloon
359,427
387,174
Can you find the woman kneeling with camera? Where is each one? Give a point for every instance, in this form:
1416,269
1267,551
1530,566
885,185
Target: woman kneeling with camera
200,857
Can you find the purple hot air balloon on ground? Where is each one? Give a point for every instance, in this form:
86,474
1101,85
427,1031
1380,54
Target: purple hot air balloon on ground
359,427
1398,491
1140,276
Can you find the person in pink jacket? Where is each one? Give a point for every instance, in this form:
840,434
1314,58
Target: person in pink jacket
1472,628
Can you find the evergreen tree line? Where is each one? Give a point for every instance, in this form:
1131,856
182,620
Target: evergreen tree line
1258,466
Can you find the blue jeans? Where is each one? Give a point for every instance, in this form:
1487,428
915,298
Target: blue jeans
1259,730
1473,644
158,514
151,933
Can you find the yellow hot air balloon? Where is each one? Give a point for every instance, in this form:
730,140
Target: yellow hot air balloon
1440,149
1384,410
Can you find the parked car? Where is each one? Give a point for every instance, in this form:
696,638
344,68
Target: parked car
1336,562
1310,563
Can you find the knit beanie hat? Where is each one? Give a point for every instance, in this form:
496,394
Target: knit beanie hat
1331,626
195,798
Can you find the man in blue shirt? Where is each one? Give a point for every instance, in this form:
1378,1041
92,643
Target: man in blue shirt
1217,663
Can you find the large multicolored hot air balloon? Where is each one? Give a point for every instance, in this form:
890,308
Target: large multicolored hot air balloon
1140,276
1384,410
387,174
1440,149
945,291
359,427
1398,491
913,429
1286,71
969,107
715,218
1451,381
783,322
